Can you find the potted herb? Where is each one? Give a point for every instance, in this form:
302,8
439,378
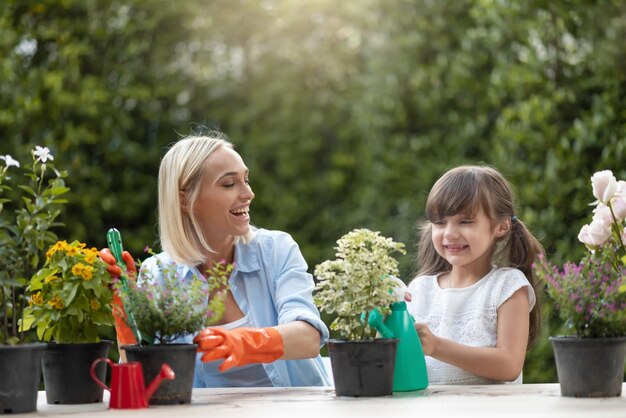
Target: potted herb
355,284
167,309
70,299
590,297
30,203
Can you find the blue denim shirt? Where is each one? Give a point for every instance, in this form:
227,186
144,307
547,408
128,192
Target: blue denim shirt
271,285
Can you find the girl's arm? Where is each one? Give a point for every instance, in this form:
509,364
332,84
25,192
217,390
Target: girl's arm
503,362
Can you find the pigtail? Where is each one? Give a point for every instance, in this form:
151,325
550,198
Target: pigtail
521,251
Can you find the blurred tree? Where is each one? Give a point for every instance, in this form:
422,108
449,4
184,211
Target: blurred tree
97,82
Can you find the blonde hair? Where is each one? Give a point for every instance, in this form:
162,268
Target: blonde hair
466,190
182,169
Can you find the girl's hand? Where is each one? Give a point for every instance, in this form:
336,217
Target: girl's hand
427,338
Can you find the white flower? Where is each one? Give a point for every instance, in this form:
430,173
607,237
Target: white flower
594,234
602,213
619,208
9,161
604,185
42,154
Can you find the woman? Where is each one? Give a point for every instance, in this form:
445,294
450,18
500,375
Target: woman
271,332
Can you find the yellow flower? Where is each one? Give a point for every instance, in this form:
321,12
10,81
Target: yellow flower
90,258
58,246
94,304
37,299
72,251
87,272
77,269
52,279
56,302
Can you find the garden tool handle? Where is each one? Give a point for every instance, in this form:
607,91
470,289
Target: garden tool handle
114,242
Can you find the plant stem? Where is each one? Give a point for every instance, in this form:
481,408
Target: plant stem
365,322
618,235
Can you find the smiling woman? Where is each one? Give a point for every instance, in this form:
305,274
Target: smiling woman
269,317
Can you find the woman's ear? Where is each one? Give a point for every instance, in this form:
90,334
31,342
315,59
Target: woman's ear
184,206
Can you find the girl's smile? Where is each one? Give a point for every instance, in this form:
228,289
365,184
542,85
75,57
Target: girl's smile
466,242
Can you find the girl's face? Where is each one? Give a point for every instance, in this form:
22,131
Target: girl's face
466,242
223,205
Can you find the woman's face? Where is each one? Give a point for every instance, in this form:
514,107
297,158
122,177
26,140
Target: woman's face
223,205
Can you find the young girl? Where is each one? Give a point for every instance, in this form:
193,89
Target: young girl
475,298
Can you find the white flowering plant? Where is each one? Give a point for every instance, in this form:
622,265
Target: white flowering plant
590,295
358,281
31,199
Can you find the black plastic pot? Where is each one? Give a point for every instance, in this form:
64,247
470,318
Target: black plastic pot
66,372
589,367
180,357
363,368
20,373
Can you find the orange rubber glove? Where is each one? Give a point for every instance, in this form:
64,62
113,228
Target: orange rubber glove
240,346
125,335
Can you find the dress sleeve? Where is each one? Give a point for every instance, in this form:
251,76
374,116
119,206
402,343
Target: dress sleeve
512,281
293,286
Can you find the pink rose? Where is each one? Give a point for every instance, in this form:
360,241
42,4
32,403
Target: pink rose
604,185
594,234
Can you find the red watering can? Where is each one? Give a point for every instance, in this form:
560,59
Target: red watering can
127,385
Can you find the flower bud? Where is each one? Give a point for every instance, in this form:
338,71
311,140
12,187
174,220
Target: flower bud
604,185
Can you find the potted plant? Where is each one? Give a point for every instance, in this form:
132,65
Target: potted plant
167,309
590,297
358,282
70,299
30,202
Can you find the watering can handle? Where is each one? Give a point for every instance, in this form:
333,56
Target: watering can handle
93,372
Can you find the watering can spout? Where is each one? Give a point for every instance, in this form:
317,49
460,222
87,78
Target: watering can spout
165,373
375,321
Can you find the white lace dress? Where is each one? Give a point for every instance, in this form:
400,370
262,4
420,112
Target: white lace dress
466,315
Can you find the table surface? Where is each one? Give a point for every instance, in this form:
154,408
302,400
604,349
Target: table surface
528,400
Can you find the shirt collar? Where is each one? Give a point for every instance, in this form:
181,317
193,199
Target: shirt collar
246,259
247,256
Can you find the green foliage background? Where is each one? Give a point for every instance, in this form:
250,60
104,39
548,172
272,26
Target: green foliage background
346,112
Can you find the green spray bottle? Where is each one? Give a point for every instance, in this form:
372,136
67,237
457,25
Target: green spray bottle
410,371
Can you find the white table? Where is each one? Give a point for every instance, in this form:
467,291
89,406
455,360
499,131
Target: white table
528,400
